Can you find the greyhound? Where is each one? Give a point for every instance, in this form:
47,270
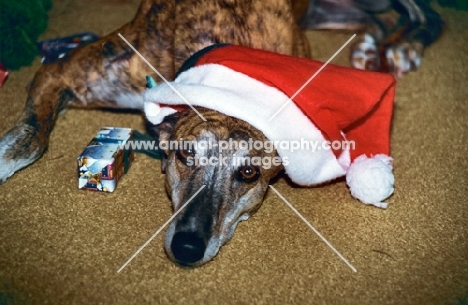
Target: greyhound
108,73
232,192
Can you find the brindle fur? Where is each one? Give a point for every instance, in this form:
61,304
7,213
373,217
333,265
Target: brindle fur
394,33
212,216
107,73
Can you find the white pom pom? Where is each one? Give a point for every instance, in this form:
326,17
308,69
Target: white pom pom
371,180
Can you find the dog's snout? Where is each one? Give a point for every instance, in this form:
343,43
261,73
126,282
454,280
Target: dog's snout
187,248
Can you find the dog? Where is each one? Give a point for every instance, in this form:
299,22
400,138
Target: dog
109,74
232,193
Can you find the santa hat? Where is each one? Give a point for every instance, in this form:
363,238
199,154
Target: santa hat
339,106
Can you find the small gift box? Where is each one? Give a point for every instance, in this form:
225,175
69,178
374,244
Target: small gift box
106,158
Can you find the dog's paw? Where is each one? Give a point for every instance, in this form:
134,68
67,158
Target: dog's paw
403,57
365,54
397,58
17,150
9,167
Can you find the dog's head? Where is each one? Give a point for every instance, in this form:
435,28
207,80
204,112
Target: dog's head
235,177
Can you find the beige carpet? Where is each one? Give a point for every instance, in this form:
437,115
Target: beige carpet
61,245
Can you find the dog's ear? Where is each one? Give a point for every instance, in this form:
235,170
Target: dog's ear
166,130
163,132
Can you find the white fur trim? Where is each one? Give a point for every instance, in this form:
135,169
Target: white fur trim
371,180
235,94
155,114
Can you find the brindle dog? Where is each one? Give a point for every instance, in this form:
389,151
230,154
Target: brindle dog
233,190
108,73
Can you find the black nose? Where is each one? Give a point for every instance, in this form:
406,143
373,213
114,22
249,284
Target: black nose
187,247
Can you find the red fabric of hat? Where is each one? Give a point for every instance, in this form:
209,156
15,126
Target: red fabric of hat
357,103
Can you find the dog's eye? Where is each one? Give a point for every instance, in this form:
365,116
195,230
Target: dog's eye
185,154
248,173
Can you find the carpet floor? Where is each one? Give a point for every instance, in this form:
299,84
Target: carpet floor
61,245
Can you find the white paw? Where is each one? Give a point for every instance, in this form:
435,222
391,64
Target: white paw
9,162
403,58
365,54
8,168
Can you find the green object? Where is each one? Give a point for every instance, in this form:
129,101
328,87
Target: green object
456,4
21,23
140,137
150,82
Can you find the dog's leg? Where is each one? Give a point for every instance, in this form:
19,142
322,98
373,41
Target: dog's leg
397,39
425,26
395,33
334,15
106,73
355,16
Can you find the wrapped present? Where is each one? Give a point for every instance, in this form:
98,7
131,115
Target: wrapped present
104,161
53,49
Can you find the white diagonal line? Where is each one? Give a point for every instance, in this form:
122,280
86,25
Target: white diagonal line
163,78
160,229
313,229
311,78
